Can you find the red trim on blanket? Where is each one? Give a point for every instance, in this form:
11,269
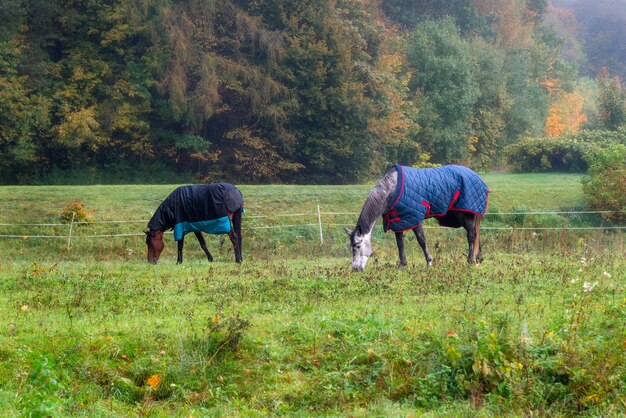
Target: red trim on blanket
427,215
389,217
454,199
482,215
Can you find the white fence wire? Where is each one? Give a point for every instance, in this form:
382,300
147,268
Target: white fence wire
320,224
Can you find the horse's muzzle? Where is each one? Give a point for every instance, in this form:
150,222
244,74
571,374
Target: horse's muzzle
359,268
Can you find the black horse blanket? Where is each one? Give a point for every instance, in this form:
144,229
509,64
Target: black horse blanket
196,208
433,192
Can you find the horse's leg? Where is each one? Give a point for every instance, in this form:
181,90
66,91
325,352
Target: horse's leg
400,242
421,239
181,244
203,245
237,225
235,235
478,253
469,223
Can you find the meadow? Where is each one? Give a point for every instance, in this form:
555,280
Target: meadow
94,330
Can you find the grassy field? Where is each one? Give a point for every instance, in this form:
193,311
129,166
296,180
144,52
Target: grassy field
93,330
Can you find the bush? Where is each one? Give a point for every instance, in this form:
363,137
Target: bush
570,153
75,211
605,183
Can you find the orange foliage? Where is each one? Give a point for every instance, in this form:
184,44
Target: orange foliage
154,381
554,126
566,115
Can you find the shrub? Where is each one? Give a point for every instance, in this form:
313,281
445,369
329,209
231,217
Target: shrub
570,153
75,211
605,183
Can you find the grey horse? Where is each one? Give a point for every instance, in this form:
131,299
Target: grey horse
454,195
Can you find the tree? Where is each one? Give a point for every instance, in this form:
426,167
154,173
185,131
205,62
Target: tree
409,13
23,113
566,114
487,119
215,66
444,79
611,101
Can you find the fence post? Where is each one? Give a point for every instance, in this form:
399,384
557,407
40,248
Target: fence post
69,235
319,221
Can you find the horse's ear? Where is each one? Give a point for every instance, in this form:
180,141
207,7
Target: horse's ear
348,231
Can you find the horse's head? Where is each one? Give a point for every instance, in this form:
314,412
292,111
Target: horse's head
360,248
154,241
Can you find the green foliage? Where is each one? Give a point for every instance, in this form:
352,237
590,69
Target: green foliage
487,119
24,115
409,13
444,80
42,391
326,63
605,183
611,102
271,90
566,153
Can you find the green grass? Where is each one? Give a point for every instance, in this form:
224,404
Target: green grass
292,331
45,203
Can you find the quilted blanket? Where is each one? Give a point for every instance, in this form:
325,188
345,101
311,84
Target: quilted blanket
196,208
434,192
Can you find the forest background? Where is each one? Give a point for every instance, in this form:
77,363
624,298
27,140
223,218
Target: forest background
306,91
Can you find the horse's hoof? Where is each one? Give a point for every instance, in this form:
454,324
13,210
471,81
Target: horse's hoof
475,263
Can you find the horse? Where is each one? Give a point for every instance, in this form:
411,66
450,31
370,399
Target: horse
454,195
212,208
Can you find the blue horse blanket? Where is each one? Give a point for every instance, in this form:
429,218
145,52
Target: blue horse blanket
197,208
433,192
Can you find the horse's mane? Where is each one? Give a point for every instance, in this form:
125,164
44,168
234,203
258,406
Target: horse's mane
377,202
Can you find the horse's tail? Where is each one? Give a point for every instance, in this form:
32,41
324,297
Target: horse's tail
477,239
237,220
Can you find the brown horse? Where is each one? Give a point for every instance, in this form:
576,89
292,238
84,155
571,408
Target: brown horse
212,208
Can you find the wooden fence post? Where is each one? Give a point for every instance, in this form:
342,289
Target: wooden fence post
69,235
319,221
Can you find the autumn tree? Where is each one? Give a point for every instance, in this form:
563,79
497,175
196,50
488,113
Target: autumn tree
331,51
23,112
217,79
566,115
